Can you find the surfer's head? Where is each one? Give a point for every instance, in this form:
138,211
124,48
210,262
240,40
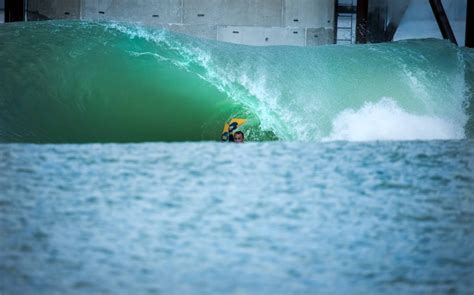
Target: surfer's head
239,137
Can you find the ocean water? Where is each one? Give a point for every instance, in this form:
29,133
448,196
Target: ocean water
258,218
357,176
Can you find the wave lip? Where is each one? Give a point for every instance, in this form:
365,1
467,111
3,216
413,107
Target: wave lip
385,120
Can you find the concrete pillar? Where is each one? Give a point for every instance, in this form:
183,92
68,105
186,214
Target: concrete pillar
266,13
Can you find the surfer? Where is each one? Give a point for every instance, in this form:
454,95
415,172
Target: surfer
239,137
229,134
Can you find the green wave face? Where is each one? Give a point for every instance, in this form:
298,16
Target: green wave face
85,82
108,82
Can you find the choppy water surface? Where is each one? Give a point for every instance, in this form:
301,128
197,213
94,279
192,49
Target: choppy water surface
258,218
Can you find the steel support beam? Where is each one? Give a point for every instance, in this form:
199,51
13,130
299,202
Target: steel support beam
14,11
442,20
395,21
362,21
470,24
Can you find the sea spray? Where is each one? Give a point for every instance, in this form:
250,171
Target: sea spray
385,120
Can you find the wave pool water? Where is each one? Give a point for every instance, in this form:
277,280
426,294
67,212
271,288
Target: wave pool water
318,212
258,218
72,82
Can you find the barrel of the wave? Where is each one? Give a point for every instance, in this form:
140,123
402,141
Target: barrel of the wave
230,127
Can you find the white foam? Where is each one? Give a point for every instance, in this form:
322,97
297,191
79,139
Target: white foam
385,120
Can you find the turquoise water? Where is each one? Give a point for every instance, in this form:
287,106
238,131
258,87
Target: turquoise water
357,177
258,218
76,82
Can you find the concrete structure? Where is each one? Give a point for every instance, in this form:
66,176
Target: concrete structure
252,22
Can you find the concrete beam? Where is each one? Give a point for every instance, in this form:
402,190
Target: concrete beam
232,12
259,22
309,13
57,9
261,36
319,36
141,11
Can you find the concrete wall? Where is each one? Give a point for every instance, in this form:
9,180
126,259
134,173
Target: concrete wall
262,35
144,11
57,9
252,22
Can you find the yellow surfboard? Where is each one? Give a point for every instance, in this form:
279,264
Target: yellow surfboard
230,127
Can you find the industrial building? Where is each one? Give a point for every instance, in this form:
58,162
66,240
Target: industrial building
260,22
